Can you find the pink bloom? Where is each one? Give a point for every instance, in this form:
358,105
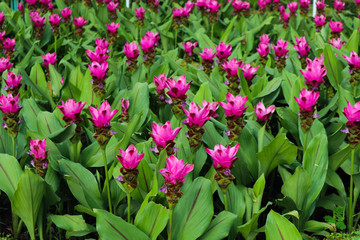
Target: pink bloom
212,108
12,80
285,17
212,6
189,47
353,60
314,73
113,27
196,115
38,148
320,5
264,39
99,70
102,43
112,6
160,82
337,43
140,13
66,13
2,35
37,20
320,20
240,6
352,114
124,105
2,17
223,157
9,44
178,88
49,59
263,49
130,158
21,7
263,114
177,12
307,100
262,4
31,2
131,50
235,106
336,27
54,20
280,48
147,44
5,64
189,5
154,36
71,110
304,3
207,54
339,5
163,135
292,7
302,46
50,6
281,9
249,71
103,115
9,104
98,56
223,51
175,170
231,67
79,22
45,2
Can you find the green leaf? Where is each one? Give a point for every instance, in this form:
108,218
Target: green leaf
219,227
277,152
333,67
10,173
55,79
249,227
74,224
47,124
63,134
204,93
111,227
353,41
28,199
139,102
152,220
193,213
278,227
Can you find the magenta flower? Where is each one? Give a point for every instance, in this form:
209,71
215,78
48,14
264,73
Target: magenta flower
212,108
280,48
9,44
49,59
98,56
320,20
196,115
263,49
38,148
154,36
31,2
263,114
38,21
262,4
103,115
240,6
307,100
314,74
337,43
79,22
207,54
178,88
147,44
66,13
13,83
264,39
282,9
231,67
223,51
125,105
249,72
99,70
2,35
113,27
304,3
140,13
112,6
130,158
235,105
339,5
71,110
54,20
131,50
352,114
320,5
161,83
163,135
21,7
2,17
189,47
336,27
223,157
189,4
102,43
353,60
302,46
9,104
5,64
175,170
292,7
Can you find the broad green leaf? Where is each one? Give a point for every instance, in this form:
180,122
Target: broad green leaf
10,173
47,124
333,67
278,227
63,134
139,102
219,227
204,93
353,41
249,227
55,79
74,224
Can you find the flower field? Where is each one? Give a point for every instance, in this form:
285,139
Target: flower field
179,120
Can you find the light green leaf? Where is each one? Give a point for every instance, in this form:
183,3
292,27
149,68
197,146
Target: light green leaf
278,227
10,173
219,227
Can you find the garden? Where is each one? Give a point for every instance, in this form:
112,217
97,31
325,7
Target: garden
179,120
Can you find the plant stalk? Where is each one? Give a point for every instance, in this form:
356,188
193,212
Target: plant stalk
170,223
305,142
350,221
129,206
107,179
225,202
176,35
13,146
212,32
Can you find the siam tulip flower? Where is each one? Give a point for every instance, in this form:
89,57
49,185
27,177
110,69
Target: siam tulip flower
180,16
131,51
13,83
189,5
241,8
5,64
38,23
224,158
39,153
262,6
66,14
164,136
161,83
303,49
124,116
263,50
99,74
2,37
188,50
307,101
101,118
354,64
54,21
9,47
314,74
336,28
153,5
177,93
102,43
337,43
79,23
292,7
50,7
263,114
304,6
352,113
49,58
98,56
320,6
276,5
281,53
223,51
148,44
285,17
212,108
9,105
71,111
264,39
140,15
249,72
282,9
21,7
45,5
207,60
112,31
154,36
2,19
339,6
112,7
174,175
232,68
212,9
319,21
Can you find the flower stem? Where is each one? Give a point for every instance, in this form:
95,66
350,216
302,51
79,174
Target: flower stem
225,202
212,31
305,142
129,205
350,221
355,88
170,223
13,145
107,179
176,34
55,42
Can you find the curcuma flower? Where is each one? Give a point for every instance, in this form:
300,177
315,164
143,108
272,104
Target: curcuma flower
249,72
336,28
66,14
112,31
101,118
99,75
304,7
9,47
339,6
188,50
337,43
54,21
49,58
303,49
354,64
124,116
231,68
5,64
131,51
262,113
207,60
148,44
281,53
79,23
352,113
223,51
140,15
9,105
71,111
307,101
129,160
160,83
314,73
177,93
98,56
39,153
174,175
319,21
320,6
224,158
13,83
164,136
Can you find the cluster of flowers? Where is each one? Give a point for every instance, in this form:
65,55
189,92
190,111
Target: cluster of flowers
241,8
181,15
45,5
7,44
209,9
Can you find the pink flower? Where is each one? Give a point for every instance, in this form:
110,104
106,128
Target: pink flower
113,27
177,12
147,44
54,20
124,105
207,54
112,6
178,88
175,170
99,70
292,6
212,6
131,50
339,5
49,59
71,110
280,48
45,2
103,115
2,35
302,46
212,108
38,148
320,20
263,49
12,80
285,17
130,158
140,13
262,4
337,43
263,114
66,13
50,6
9,44
163,135
282,9
223,157
21,7
37,20
240,6
231,67
154,36
196,115
223,51
9,104
314,74
352,114
336,27
235,106
189,5
264,39
189,47
31,2
353,60
5,64
307,100
304,3
79,22
249,71
160,82
98,56
2,17
102,43
320,5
